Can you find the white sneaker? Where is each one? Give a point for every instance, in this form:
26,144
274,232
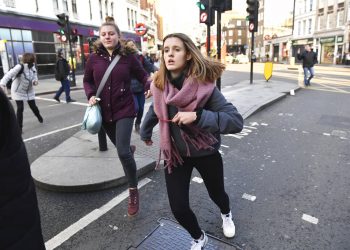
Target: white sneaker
227,225
200,243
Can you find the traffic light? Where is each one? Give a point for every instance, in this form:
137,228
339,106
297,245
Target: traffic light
74,35
206,12
62,22
222,5
253,13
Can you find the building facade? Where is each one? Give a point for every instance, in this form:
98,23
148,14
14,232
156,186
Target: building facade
31,26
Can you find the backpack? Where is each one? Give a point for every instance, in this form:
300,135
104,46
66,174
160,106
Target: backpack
9,83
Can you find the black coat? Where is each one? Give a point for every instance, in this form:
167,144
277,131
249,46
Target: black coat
19,214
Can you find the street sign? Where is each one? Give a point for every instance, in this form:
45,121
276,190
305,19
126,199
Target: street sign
251,26
140,29
204,17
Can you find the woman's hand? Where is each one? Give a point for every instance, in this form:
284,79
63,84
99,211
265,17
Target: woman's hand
148,142
148,94
93,100
184,118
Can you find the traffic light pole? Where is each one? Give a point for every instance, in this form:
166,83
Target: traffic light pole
72,83
218,42
251,58
208,40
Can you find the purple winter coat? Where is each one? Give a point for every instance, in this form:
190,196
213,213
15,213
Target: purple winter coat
116,97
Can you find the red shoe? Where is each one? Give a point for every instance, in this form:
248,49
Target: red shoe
133,205
133,149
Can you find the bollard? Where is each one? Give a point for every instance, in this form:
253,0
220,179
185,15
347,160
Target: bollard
102,140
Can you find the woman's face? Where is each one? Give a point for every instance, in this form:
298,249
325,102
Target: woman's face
109,37
175,56
132,45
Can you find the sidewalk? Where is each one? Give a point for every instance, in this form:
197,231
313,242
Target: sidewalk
77,165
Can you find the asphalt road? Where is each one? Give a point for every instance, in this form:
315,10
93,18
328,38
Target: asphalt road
291,156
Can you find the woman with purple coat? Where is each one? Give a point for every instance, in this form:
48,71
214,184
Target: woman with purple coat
117,102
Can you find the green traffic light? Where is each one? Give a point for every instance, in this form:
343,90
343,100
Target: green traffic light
61,31
200,5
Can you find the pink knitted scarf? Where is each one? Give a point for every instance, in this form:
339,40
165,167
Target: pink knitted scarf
192,95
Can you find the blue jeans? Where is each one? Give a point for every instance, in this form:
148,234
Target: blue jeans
139,99
65,86
307,78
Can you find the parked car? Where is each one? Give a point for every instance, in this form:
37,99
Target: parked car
241,58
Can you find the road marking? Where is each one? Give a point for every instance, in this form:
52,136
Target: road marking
52,132
53,100
197,179
310,219
326,134
224,146
89,218
249,197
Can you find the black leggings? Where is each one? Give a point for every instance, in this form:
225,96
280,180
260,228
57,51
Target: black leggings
20,109
178,184
119,133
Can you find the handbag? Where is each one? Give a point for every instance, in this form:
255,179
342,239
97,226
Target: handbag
92,121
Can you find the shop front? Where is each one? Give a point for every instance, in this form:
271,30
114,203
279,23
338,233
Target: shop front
327,50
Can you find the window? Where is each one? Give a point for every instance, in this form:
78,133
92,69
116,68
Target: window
132,18
310,26
305,6
304,27
10,3
100,5
340,14
230,32
129,22
311,2
239,32
106,7
330,9
239,41
65,5
239,23
230,41
90,9
74,6
55,4
299,28
112,9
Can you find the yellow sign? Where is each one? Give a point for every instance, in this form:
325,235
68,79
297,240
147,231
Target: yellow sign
268,70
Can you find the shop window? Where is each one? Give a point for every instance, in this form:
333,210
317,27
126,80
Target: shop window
16,35
5,34
28,47
27,35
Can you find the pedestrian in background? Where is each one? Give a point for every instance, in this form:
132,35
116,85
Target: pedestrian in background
62,70
309,59
117,102
192,113
136,86
22,86
20,226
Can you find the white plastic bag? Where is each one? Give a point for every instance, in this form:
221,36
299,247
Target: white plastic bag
92,119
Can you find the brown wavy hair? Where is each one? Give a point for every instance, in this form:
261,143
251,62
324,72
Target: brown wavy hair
202,68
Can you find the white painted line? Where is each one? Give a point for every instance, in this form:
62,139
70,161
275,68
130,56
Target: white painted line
294,129
305,132
53,100
250,127
52,132
249,197
222,153
292,92
264,124
233,135
224,146
310,219
327,134
89,218
254,124
197,179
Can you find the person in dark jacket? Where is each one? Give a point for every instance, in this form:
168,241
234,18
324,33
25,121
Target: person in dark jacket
117,102
20,226
309,59
61,74
136,86
192,113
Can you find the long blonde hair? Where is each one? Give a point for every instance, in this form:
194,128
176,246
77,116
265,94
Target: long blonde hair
202,68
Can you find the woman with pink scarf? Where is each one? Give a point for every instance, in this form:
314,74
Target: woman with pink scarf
192,113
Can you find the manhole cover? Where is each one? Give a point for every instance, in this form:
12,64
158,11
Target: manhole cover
170,235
